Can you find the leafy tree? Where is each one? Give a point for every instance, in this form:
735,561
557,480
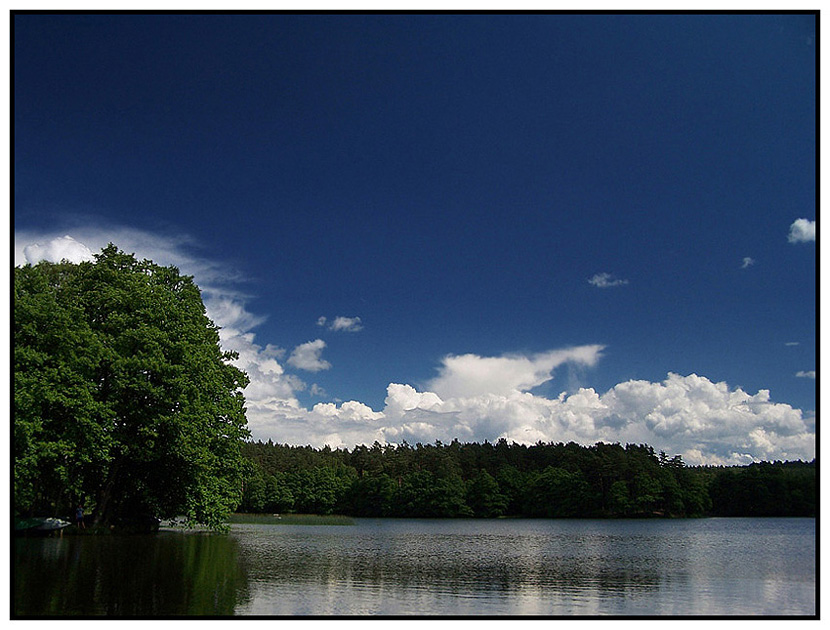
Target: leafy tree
648,494
619,499
278,493
557,493
320,490
372,496
672,493
423,494
255,494
695,497
483,496
512,485
123,398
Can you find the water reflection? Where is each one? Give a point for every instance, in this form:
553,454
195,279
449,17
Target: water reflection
167,574
413,572
409,567
539,568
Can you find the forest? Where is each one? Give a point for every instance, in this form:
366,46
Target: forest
544,480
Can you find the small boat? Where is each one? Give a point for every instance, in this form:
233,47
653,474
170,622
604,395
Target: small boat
39,525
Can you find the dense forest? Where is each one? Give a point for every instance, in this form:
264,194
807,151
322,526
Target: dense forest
491,480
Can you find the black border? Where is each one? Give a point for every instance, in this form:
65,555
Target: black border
816,13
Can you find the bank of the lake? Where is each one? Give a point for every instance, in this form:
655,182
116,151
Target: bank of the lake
714,566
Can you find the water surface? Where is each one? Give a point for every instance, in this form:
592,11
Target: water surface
431,567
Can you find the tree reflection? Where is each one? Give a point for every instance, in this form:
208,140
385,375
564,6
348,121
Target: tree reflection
167,574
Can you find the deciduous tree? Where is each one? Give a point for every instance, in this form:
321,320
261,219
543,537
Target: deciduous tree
122,394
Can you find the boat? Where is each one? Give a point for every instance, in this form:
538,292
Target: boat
39,526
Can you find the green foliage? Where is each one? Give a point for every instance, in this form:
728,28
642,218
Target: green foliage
619,499
123,398
647,493
319,490
765,489
557,493
372,496
484,497
487,481
424,494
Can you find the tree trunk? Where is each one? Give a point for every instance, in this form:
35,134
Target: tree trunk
104,506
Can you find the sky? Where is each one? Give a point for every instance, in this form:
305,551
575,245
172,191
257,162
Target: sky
544,227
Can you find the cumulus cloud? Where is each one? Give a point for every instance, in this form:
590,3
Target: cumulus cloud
604,280
472,375
807,374
307,357
55,250
747,262
179,251
704,421
802,231
229,311
269,383
342,324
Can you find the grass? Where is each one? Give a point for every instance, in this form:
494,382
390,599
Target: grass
290,519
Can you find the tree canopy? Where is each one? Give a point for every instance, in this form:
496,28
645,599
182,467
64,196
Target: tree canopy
123,398
544,480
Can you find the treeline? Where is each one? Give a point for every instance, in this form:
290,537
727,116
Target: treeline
765,489
490,480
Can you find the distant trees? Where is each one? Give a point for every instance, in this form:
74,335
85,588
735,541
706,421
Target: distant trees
765,489
484,497
557,493
490,480
123,399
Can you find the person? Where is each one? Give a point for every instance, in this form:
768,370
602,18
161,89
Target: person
79,517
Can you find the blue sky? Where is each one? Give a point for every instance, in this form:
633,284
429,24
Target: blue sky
420,227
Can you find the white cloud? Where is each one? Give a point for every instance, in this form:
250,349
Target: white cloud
306,356
229,311
802,231
176,251
747,262
403,398
342,324
807,374
351,410
55,250
604,280
705,422
346,324
316,390
472,375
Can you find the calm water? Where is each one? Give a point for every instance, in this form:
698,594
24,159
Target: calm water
430,567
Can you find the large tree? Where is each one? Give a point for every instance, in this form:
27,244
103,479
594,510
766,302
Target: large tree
123,397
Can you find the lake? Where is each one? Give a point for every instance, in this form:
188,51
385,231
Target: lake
714,566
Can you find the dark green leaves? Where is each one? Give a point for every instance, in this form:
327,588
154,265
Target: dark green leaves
123,398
